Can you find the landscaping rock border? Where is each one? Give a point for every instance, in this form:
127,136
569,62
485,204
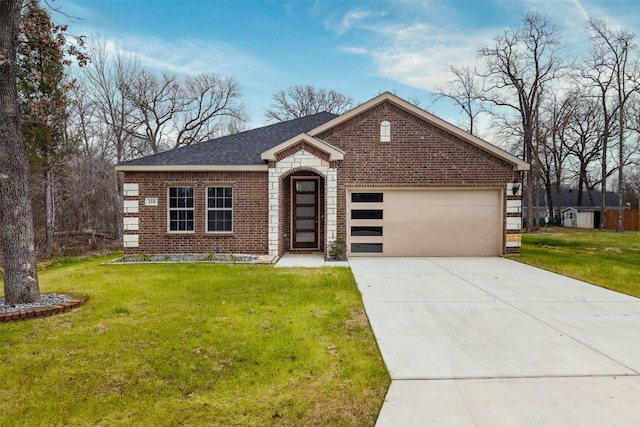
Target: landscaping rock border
197,258
69,304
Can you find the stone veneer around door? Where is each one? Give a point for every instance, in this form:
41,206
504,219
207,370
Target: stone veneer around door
302,160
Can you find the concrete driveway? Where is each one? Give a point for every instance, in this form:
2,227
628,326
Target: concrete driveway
493,342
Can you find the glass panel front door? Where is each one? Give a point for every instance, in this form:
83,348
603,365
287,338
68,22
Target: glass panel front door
305,213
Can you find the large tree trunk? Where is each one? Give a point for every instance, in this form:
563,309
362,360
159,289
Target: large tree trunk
581,176
16,220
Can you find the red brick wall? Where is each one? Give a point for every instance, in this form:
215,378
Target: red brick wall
302,146
419,155
250,213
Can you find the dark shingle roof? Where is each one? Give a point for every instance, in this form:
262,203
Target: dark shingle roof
242,148
570,199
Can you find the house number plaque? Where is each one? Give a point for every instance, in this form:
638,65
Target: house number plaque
151,201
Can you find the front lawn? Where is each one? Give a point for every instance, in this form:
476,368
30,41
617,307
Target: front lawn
604,258
194,344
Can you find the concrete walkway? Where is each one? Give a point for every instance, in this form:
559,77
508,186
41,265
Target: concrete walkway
311,260
492,342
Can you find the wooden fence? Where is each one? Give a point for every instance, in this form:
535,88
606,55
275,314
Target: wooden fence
630,219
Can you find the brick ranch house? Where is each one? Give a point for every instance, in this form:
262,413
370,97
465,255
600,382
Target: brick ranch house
387,177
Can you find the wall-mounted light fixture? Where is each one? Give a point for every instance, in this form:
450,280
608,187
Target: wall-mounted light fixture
515,187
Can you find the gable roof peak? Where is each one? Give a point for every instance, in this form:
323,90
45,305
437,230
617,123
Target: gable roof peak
334,153
518,164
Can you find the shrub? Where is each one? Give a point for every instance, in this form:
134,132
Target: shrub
143,257
210,257
338,249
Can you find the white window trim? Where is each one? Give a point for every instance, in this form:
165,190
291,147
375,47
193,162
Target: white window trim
169,209
207,209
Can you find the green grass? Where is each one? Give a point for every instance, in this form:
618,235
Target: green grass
192,344
607,259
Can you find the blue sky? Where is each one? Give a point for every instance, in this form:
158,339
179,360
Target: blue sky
360,48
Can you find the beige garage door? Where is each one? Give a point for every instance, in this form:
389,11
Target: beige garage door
424,222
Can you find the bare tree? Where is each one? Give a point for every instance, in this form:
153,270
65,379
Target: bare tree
519,66
89,207
464,90
614,57
634,147
139,112
599,84
155,101
631,187
105,111
20,274
301,101
582,139
211,109
169,113
101,82
551,153
122,111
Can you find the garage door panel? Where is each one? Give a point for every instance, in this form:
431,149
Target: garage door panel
439,247
430,234
427,231
439,214
437,198
438,223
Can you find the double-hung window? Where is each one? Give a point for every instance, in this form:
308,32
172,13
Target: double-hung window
181,209
219,209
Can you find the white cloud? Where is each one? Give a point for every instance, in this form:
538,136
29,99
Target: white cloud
424,64
419,55
412,43
353,50
350,20
417,43
571,16
185,56
189,56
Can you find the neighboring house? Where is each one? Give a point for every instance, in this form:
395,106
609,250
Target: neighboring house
572,214
388,177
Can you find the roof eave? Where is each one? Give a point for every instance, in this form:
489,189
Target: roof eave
192,168
334,153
